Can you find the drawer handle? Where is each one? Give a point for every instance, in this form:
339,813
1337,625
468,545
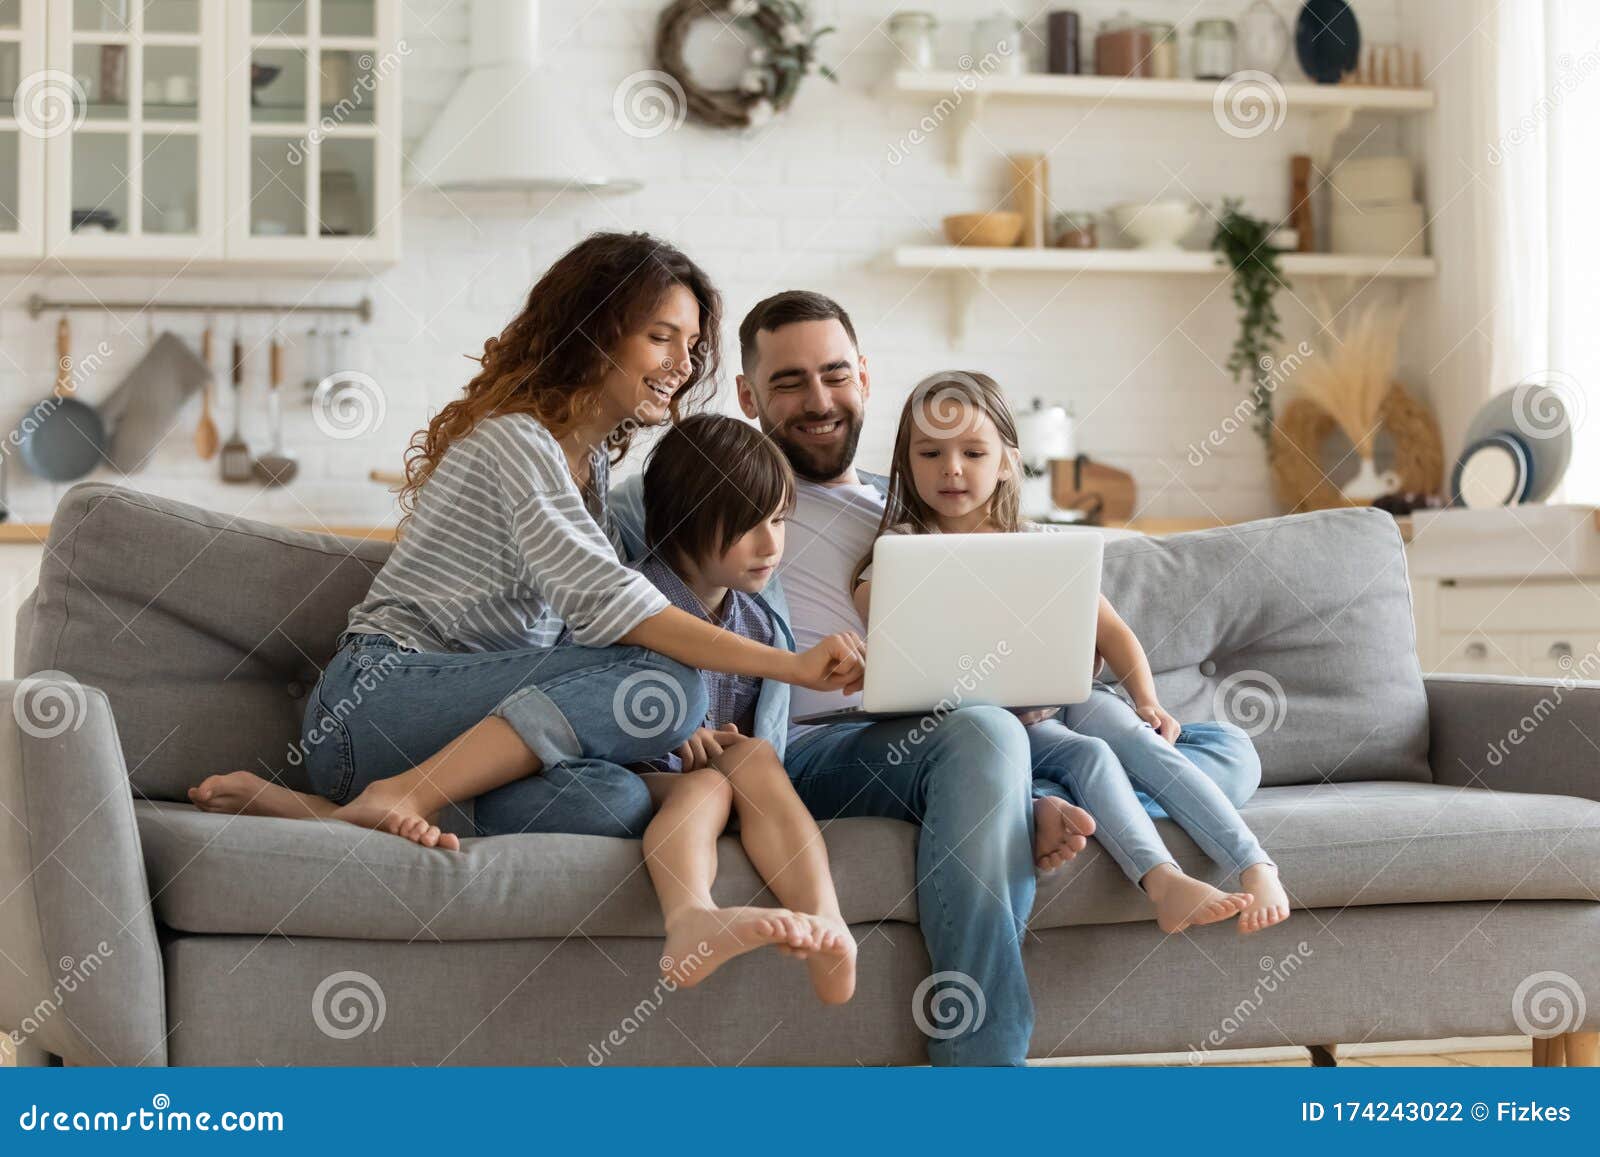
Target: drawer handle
1476,650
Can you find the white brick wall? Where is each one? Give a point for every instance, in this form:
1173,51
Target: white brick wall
811,202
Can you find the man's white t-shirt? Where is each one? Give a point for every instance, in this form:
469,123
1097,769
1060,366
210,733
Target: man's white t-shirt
829,531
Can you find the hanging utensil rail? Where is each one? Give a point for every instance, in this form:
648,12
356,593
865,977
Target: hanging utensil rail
39,304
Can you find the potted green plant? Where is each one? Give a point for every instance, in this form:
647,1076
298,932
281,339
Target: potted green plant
1243,242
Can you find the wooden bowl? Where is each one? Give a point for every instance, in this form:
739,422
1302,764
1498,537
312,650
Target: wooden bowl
1000,229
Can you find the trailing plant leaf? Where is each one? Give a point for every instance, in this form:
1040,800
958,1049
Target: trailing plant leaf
1257,277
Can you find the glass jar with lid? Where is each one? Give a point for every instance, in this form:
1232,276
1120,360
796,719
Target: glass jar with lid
912,33
1076,230
1122,47
1213,49
1163,49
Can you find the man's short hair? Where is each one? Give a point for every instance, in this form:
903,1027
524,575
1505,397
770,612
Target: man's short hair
787,308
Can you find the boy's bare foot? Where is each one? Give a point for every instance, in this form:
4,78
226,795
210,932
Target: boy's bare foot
1060,832
384,807
244,793
833,962
1183,902
1271,903
702,940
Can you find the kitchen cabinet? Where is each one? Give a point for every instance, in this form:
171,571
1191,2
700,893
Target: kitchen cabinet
22,51
202,135
314,132
138,176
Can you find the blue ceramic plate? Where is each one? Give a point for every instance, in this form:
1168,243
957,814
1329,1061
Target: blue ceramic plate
1509,457
1327,40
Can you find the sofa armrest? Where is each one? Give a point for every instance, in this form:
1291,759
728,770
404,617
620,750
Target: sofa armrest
1515,734
80,974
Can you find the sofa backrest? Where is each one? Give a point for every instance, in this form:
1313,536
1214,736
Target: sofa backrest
1298,629
205,631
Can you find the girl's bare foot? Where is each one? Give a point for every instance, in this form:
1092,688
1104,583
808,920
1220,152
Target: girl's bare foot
702,940
1271,903
833,962
1183,902
384,807
1060,832
244,793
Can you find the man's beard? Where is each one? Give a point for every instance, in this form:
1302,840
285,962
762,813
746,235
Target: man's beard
820,464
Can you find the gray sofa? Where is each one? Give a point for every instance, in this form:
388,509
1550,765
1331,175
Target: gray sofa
1442,890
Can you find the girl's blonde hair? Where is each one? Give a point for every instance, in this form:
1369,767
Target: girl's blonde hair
942,404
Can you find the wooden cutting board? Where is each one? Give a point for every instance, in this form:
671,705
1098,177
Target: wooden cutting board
1107,493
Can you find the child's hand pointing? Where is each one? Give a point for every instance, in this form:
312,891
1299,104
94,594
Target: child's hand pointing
837,663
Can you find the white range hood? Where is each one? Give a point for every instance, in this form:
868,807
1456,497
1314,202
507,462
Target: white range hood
509,125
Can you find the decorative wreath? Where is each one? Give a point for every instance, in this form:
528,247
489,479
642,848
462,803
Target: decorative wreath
1300,434
783,53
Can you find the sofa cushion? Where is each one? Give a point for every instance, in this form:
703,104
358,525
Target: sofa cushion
1298,629
205,631
1336,845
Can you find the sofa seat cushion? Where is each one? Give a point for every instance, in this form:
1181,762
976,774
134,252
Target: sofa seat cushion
1336,844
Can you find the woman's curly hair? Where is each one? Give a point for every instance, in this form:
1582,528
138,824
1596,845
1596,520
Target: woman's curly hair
552,358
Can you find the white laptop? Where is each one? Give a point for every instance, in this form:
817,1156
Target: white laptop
966,619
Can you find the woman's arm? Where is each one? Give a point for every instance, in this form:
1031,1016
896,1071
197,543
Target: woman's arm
833,664
1125,656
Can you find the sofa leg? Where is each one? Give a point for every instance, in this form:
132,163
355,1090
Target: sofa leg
27,1055
1582,1049
1549,1052
1322,1057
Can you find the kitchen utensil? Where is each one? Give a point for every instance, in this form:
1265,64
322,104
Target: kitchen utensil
62,438
1160,225
206,439
1300,207
1030,182
1103,492
1263,38
1000,228
140,411
1327,40
277,467
237,465
1539,414
1492,472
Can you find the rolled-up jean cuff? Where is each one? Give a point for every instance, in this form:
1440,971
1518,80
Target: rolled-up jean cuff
539,723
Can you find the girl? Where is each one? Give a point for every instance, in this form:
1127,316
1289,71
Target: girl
715,537
955,472
449,682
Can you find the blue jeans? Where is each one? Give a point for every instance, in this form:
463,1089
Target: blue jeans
380,709
1097,753
965,780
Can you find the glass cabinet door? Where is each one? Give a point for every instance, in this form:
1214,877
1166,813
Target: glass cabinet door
33,105
134,169
321,80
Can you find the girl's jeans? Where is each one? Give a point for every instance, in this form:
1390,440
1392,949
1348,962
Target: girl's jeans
381,709
1097,753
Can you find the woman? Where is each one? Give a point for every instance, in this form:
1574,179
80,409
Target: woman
449,683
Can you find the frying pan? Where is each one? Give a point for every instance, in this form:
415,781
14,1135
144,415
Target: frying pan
62,438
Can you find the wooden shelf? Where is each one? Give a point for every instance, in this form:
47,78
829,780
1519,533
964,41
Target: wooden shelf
963,96
970,268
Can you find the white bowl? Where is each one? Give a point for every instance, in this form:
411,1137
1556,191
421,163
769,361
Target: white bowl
1158,225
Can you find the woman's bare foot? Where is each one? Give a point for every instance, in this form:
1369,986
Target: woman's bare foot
1183,902
833,962
1060,832
244,793
1271,903
702,940
384,807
